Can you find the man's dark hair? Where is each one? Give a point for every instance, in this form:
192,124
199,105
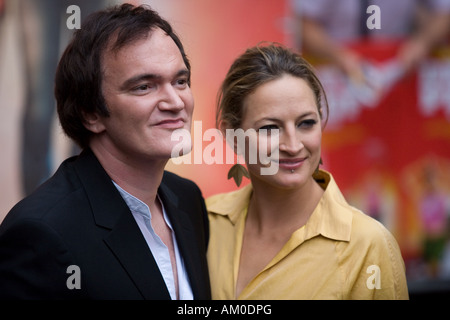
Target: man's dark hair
78,80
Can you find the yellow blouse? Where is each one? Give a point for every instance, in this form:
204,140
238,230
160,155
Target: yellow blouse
340,253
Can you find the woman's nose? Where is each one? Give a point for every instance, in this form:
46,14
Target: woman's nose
290,142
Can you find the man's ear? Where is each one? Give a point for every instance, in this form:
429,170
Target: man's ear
93,122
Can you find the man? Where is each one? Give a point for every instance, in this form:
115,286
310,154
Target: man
111,223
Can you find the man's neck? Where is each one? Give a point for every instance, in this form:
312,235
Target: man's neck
139,177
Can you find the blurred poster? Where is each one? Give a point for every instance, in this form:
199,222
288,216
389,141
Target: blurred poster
388,145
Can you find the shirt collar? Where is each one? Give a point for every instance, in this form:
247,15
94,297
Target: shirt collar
230,204
135,205
138,206
331,218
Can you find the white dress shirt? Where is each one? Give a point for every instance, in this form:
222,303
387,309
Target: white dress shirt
160,252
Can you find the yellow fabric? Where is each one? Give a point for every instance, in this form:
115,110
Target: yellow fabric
338,254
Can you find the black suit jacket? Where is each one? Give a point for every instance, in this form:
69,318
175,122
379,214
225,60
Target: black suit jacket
79,218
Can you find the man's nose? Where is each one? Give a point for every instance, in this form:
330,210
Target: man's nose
170,99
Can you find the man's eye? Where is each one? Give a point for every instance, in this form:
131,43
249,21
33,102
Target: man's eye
141,89
182,83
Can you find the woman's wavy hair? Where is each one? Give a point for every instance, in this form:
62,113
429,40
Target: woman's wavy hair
256,66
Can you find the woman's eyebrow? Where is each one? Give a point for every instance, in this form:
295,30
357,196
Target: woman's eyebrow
303,115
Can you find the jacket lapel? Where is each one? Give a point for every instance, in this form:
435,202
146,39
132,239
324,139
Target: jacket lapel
130,248
125,239
184,233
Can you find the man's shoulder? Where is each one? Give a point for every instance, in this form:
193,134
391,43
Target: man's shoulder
181,190
49,196
173,180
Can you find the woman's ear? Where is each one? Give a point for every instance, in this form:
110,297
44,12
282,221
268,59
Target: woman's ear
93,122
322,123
223,126
230,138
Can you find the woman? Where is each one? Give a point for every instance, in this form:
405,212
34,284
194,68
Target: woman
291,235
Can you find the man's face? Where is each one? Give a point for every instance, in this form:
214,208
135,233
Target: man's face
145,86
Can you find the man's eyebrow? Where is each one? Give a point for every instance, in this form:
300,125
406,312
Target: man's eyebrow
183,72
150,76
138,78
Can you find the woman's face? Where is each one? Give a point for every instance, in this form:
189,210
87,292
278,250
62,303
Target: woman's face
287,104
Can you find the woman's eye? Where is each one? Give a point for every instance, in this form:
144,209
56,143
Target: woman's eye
268,128
307,123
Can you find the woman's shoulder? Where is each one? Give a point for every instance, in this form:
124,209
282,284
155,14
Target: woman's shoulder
364,228
374,252
372,245
367,229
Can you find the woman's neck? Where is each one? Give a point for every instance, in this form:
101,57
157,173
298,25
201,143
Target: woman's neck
275,210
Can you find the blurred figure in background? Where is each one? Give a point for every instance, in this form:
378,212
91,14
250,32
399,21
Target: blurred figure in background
43,28
328,26
434,219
